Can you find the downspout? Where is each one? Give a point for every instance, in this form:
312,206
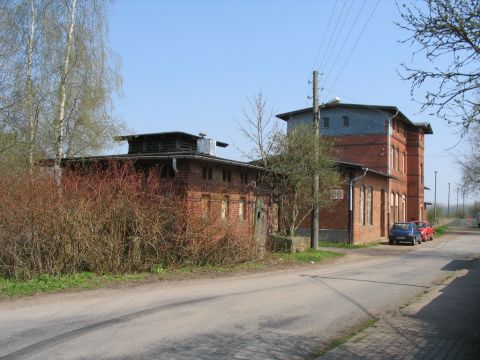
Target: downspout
174,166
389,154
350,208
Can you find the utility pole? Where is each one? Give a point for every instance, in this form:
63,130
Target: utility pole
463,203
316,127
435,200
456,212
448,204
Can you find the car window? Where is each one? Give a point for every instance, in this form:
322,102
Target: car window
401,226
421,225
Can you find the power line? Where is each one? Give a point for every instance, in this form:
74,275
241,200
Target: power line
333,33
327,74
355,45
329,53
324,34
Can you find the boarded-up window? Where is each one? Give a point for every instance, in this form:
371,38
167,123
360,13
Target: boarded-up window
242,205
206,204
225,207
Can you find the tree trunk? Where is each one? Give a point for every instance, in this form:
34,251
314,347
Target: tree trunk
32,120
60,126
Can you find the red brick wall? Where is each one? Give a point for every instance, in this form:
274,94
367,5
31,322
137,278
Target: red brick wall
371,232
369,150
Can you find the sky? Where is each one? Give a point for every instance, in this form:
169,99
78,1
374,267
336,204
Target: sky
192,65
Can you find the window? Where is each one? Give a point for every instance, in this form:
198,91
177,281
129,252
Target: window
336,194
242,205
207,173
167,171
225,207
345,121
397,217
404,163
404,208
397,159
392,207
421,173
206,203
243,178
392,157
226,175
369,206
326,122
362,205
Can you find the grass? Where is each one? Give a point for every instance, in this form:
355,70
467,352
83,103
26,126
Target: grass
440,230
343,339
309,256
47,283
347,246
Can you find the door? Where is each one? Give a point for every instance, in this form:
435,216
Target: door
382,214
259,225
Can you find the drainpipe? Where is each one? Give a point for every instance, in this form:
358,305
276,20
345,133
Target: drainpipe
350,208
174,166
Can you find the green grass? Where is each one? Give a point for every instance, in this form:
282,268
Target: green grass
308,256
440,230
343,339
48,283
347,246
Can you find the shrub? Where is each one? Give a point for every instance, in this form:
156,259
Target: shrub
106,219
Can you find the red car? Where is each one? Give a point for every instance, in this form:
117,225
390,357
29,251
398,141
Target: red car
425,229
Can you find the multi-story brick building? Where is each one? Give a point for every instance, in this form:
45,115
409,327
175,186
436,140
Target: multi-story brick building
379,138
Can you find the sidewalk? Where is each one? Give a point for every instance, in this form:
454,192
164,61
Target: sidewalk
443,324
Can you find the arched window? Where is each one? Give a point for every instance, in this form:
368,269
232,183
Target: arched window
225,207
370,206
397,217
206,203
362,205
242,205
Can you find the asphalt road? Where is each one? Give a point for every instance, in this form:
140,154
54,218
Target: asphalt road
277,315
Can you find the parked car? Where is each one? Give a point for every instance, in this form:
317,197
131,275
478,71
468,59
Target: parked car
404,232
426,230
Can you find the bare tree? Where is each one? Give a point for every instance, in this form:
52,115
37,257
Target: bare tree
259,128
447,32
289,163
470,165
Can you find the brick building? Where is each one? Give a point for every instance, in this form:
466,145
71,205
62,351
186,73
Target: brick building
383,140
213,187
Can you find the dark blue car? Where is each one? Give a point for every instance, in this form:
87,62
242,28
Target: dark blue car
404,232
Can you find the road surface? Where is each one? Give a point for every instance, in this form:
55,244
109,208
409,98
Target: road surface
277,315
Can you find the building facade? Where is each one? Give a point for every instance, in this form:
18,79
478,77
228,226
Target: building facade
379,138
214,188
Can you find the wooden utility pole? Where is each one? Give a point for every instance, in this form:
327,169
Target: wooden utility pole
316,127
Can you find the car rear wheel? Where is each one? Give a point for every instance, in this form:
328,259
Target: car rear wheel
414,241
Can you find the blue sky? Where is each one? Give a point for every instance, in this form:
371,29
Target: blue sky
190,66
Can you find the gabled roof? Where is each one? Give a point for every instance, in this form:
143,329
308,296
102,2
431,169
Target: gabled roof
169,134
393,110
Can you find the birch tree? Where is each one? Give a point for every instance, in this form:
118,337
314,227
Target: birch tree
64,78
